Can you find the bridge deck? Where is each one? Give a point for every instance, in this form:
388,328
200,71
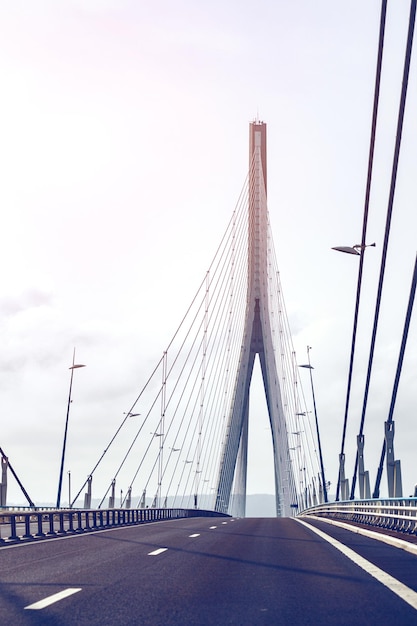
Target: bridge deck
206,571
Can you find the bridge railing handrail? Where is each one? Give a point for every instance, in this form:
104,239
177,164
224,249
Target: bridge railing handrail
399,514
17,526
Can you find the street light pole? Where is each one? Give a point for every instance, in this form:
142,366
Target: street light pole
72,368
310,368
359,249
69,489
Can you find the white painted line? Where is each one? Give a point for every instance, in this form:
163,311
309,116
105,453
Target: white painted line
211,527
373,534
195,535
397,587
156,552
224,522
56,597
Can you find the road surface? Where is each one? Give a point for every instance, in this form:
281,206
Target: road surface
208,571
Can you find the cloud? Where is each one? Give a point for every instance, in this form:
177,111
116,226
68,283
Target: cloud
30,298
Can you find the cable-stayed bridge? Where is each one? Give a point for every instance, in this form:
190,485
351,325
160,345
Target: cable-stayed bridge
185,553
189,449
185,467
183,441
188,425
191,445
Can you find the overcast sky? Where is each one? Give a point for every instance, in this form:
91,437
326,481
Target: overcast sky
124,147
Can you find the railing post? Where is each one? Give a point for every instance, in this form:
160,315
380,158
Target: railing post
79,528
27,534
70,522
13,529
51,530
62,530
40,532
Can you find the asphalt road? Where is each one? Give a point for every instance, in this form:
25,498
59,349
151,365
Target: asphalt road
205,571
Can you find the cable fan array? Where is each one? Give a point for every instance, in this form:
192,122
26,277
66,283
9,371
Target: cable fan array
173,458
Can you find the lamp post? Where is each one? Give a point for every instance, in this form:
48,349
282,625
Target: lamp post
69,488
342,482
310,368
72,368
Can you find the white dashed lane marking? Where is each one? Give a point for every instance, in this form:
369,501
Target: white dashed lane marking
54,598
156,552
195,535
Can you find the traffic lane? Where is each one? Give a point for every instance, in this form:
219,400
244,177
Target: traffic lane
250,572
18,559
399,563
32,571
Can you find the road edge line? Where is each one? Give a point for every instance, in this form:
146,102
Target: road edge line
402,544
402,591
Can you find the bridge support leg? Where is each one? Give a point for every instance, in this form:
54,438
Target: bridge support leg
344,489
315,492
364,486
239,498
87,495
3,484
395,489
129,498
112,497
342,477
398,480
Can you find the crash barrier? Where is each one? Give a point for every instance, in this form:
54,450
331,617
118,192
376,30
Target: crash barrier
41,524
399,514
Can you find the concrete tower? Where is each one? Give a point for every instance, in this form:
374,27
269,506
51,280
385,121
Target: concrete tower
257,340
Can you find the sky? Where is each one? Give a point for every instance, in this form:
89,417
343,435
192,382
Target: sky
124,147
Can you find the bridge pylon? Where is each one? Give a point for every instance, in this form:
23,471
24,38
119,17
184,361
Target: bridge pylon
257,340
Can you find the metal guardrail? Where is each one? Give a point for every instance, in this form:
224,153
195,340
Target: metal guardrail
21,526
399,514
26,509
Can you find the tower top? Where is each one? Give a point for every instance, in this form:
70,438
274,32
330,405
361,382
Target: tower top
257,140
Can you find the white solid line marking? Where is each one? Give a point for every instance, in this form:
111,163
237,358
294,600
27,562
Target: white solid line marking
156,552
54,598
195,535
397,587
211,527
373,534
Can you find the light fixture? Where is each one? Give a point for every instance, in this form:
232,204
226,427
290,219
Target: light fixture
356,249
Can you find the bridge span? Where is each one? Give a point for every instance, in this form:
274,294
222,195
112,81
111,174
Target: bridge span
179,549
207,570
